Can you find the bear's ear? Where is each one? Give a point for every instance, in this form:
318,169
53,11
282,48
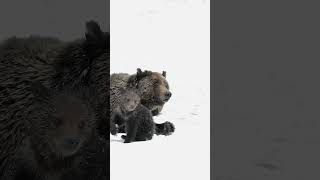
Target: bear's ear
39,90
96,41
139,71
164,74
93,32
139,75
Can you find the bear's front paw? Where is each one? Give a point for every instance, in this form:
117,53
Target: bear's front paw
168,128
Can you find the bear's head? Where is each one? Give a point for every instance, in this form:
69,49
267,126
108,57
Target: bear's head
152,87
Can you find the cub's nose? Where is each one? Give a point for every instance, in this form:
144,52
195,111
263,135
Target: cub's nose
72,142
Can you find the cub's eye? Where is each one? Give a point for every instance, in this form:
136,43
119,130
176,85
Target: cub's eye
81,124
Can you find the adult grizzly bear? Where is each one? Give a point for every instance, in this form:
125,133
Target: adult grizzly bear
153,89
80,64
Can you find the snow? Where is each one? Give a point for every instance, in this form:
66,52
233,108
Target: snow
170,35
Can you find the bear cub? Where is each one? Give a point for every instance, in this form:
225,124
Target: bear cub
136,118
61,125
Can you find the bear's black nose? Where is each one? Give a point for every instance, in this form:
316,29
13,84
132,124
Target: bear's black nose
72,142
168,95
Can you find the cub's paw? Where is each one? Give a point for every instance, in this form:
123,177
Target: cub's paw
114,131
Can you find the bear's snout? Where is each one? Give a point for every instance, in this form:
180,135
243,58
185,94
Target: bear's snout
167,95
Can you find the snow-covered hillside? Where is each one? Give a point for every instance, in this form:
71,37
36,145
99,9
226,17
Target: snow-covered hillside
170,35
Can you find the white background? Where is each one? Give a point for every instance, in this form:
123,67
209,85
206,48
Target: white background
170,35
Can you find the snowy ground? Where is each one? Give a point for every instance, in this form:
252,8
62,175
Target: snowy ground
171,35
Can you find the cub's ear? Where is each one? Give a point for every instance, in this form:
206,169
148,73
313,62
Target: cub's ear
164,74
39,90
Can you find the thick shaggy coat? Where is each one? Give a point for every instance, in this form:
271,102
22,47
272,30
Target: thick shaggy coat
80,64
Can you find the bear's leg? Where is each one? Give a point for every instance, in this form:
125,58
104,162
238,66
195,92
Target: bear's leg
113,128
121,124
166,128
131,128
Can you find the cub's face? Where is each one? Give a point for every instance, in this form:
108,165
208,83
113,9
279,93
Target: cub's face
129,101
71,125
64,123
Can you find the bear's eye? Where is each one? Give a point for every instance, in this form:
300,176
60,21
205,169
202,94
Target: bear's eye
166,85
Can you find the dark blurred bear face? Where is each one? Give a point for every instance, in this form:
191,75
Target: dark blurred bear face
70,124
64,123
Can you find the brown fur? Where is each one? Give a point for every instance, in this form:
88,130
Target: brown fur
127,103
136,118
153,89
